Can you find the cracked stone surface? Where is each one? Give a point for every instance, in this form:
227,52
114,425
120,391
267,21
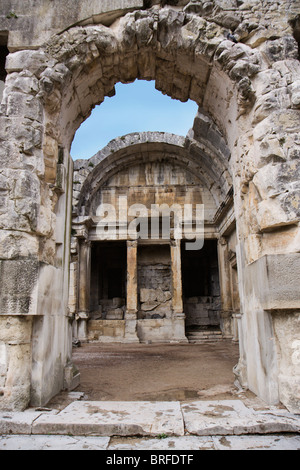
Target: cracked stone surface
114,418
146,419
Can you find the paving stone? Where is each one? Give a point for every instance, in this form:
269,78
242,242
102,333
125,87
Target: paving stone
257,442
20,422
167,443
227,417
218,417
113,418
53,443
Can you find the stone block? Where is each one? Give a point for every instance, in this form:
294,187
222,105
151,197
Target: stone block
295,92
280,49
17,422
26,60
71,377
118,302
21,104
148,295
15,330
148,306
275,281
160,296
23,82
115,314
271,215
18,281
16,392
17,244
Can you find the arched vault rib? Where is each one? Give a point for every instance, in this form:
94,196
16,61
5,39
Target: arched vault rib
91,174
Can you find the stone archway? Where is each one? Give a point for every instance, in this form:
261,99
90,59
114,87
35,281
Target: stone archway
250,91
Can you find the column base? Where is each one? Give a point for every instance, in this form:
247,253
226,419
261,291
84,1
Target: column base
130,335
179,328
71,377
82,319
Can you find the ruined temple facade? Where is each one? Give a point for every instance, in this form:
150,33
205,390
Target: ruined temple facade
60,280
175,290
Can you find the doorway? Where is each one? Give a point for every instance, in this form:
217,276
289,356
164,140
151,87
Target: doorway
108,280
201,287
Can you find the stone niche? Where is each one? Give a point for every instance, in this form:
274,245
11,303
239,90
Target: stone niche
154,282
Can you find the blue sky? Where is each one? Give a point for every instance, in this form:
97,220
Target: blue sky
136,107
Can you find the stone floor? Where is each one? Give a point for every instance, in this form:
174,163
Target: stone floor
153,397
159,372
194,425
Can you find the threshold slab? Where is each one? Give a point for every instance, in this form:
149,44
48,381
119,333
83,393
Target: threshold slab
110,418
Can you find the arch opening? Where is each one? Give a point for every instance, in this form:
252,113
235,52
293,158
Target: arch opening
136,107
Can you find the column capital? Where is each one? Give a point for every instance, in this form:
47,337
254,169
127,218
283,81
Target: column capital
222,241
132,243
81,226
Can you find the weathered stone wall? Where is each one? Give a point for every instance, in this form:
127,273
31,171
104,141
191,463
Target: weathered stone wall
158,181
249,90
31,23
271,319
154,282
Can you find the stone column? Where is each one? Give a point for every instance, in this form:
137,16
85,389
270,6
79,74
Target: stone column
225,288
84,288
131,294
177,303
235,327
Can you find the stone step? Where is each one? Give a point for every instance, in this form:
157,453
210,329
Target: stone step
204,336
215,338
204,333
203,341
